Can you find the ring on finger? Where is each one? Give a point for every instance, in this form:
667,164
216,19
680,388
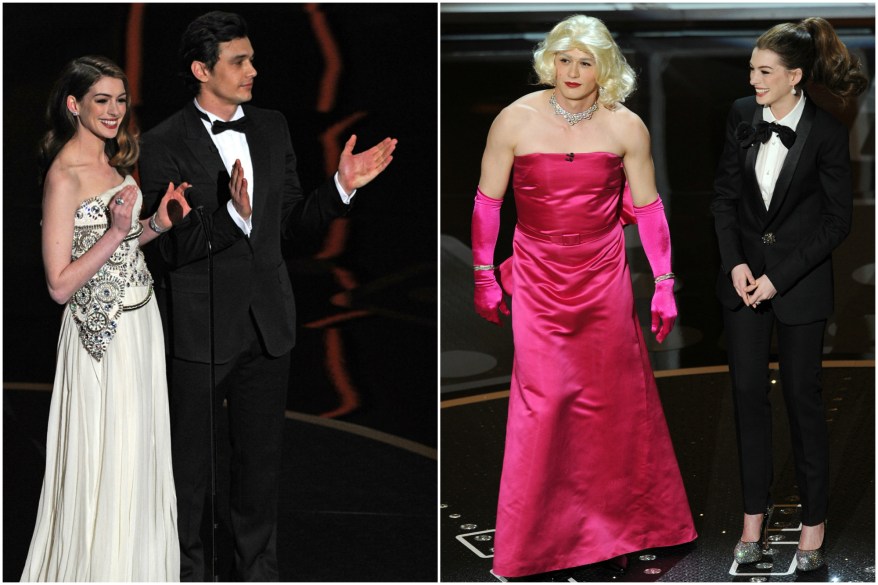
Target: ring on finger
120,201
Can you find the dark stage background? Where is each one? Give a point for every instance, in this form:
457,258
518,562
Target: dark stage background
366,299
691,63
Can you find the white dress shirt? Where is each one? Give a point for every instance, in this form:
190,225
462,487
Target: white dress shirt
233,146
772,154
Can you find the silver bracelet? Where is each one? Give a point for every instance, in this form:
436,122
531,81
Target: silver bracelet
153,224
667,276
484,267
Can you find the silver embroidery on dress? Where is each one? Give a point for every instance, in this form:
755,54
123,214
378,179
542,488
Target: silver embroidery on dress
99,304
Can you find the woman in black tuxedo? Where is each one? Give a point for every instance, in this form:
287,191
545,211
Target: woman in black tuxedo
782,204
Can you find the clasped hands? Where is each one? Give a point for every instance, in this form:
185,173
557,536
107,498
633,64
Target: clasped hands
354,171
752,290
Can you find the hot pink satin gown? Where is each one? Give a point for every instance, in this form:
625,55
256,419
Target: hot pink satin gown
589,472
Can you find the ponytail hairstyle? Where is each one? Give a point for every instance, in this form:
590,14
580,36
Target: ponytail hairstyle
76,79
813,46
588,34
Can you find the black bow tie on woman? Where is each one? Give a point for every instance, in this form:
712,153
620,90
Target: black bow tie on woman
748,135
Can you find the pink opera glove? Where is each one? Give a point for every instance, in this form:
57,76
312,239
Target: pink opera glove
485,228
664,309
656,238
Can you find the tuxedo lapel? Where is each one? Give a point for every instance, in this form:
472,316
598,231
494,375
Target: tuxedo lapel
750,169
204,151
803,129
260,156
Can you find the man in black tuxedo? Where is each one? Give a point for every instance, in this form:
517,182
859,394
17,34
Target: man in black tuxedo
246,195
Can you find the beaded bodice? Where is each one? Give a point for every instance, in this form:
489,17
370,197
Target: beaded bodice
123,283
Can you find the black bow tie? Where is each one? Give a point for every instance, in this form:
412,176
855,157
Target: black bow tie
748,135
220,126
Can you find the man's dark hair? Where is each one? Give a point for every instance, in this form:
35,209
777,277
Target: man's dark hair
201,42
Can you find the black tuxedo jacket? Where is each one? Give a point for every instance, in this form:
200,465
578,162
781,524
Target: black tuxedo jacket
808,217
250,275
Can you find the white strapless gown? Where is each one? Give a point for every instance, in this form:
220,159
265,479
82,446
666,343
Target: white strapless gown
108,510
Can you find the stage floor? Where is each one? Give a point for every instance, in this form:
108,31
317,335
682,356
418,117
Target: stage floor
356,504
700,416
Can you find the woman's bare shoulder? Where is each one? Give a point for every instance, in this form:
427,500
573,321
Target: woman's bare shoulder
63,178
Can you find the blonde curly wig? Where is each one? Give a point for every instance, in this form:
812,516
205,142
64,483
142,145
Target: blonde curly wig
590,35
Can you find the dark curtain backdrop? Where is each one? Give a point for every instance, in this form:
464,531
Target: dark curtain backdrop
389,75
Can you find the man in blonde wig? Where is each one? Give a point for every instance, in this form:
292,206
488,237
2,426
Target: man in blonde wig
589,472
614,76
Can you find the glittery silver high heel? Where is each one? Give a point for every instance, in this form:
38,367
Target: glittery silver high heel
750,552
810,560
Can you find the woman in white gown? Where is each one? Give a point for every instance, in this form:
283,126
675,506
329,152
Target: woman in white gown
107,509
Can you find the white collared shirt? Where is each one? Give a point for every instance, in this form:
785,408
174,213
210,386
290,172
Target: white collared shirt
233,146
772,154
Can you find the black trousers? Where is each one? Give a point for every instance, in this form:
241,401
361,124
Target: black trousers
800,351
255,386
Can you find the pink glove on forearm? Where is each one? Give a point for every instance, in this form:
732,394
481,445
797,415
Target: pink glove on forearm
485,227
656,238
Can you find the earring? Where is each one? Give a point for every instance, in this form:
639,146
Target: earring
75,113
793,90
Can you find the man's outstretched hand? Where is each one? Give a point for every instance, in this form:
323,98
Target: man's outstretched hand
357,170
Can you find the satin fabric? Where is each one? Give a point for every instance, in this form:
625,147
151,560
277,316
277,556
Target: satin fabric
589,472
488,296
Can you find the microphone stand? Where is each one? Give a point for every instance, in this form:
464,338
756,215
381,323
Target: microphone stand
212,394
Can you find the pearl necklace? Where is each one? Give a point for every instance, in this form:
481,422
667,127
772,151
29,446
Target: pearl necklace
572,119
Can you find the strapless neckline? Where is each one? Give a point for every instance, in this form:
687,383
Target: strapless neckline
595,152
128,179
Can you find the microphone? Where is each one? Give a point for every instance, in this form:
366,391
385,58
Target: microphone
199,210
569,157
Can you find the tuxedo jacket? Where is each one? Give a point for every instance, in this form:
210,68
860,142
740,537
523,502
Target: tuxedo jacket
249,273
808,217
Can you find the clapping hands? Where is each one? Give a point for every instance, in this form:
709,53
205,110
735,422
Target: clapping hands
357,170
